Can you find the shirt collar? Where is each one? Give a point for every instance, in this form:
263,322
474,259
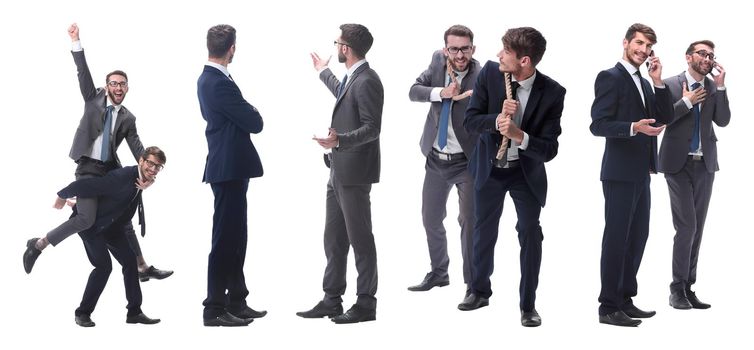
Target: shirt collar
527,83
355,66
629,67
691,80
219,67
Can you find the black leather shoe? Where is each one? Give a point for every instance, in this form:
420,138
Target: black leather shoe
430,281
530,318
84,321
619,318
473,302
356,314
155,273
247,312
634,312
31,254
226,320
679,301
141,318
321,310
695,302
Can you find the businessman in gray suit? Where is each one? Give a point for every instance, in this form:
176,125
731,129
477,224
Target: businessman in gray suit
95,153
688,158
448,147
354,138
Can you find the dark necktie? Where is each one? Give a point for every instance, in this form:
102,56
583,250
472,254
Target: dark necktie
142,223
697,117
105,153
643,93
342,86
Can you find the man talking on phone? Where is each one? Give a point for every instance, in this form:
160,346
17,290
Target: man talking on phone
688,158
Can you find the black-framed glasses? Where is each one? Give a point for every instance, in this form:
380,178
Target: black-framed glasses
151,164
705,54
464,49
113,83
340,43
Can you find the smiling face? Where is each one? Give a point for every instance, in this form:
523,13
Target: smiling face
150,167
637,50
699,60
459,49
117,87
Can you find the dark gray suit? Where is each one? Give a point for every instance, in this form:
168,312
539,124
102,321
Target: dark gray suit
689,179
354,167
90,127
444,171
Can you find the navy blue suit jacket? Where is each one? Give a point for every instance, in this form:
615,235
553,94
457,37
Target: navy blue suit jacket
116,197
230,120
541,121
617,103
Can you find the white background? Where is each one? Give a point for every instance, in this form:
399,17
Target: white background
161,45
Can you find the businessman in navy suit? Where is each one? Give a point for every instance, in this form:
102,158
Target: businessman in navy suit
624,112
530,119
688,157
118,196
231,161
354,140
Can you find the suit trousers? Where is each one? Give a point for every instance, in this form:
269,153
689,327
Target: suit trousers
228,254
348,222
489,200
98,249
439,179
690,192
86,208
627,207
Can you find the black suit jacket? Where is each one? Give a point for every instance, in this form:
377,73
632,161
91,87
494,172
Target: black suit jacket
677,139
93,120
230,120
116,195
541,121
420,91
617,103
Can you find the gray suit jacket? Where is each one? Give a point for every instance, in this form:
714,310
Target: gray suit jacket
675,144
431,78
93,120
357,118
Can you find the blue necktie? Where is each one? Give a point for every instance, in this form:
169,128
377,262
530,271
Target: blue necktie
342,86
105,155
442,128
697,116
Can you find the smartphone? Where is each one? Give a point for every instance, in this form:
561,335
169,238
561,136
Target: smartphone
649,65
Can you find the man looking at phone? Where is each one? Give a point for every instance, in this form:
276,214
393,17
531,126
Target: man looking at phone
688,158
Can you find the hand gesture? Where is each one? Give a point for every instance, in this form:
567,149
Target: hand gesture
59,203
319,63
510,106
720,78
143,184
73,32
466,94
655,70
449,91
331,141
644,126
694,96
508,128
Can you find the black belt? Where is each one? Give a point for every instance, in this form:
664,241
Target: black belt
507,165
695,157
448,156
109,163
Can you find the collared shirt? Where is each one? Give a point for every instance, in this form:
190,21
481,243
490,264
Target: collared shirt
522,96
632,71
219,67
453,146
690,81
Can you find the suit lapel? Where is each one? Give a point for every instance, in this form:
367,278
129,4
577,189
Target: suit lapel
534,97
629,80
350,81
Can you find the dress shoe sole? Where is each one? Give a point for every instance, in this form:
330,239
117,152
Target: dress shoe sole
140,322
367,319
147,278
470,307
215,323
530,323
681,307
632,324
424,288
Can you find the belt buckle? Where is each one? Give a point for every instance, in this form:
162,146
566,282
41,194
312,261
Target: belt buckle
696,157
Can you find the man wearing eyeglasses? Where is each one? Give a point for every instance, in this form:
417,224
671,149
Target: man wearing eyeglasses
354,139
447,147
688,158
104,125
118,199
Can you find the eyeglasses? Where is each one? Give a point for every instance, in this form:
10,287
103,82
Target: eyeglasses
151,164
705,54
464,49
340,43
112,83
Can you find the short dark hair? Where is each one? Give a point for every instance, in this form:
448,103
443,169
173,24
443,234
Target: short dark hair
115,72
709,43
357,37
459,30
154,151
220,38
641,28
526,41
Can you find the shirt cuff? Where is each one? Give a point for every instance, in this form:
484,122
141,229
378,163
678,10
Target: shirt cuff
721,88
322,70
525,142
631,131
660,86
688,103
434,95
76,46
